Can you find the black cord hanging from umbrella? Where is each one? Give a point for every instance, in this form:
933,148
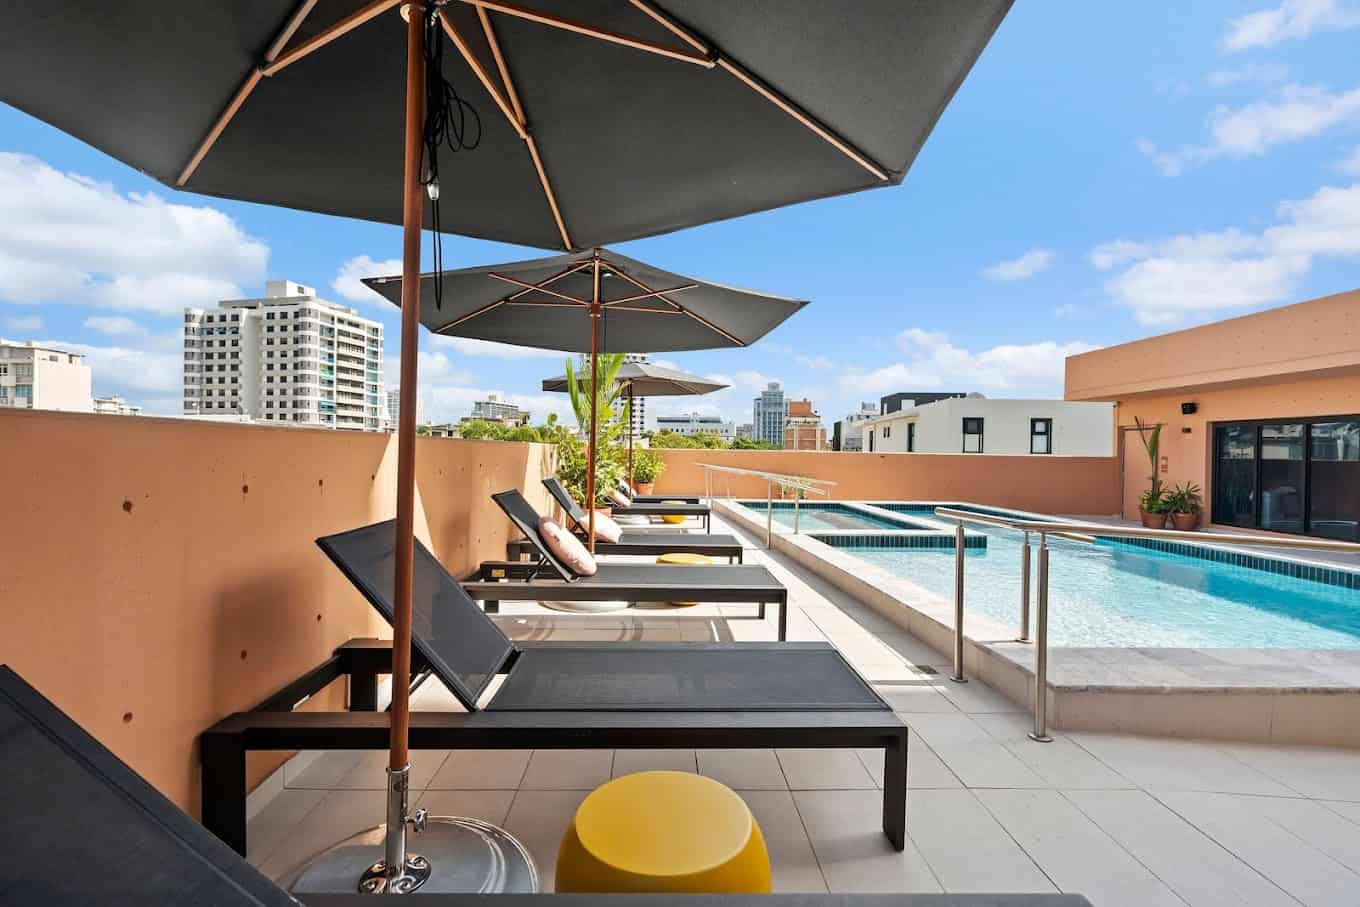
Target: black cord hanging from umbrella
450,121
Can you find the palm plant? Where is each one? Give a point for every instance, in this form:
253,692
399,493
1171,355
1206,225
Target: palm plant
1151,436
607,392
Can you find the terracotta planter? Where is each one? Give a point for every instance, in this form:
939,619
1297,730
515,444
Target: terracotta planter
1152,520
644,487
1185,522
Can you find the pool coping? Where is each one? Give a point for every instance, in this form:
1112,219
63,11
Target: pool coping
1298,696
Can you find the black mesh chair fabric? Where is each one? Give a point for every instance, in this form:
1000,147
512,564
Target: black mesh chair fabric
691,579
463,646
692,677
564,500
525,517
77,826
677,541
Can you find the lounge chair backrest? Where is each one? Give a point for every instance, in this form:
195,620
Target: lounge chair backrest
463,646
565,500
81,827
523,515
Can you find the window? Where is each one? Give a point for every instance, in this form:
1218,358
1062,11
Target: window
887,431
911,437
972,435
23,391
4,369
1041,436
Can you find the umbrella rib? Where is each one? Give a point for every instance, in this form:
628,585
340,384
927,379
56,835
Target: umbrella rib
542,289
480,71
330,33
590,31
521,124
649,295
771,94
661,295
225,117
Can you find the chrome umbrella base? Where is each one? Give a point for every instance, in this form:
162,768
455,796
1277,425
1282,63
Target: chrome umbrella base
450,856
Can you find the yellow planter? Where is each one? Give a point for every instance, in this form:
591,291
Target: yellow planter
683,559
664,832
673,518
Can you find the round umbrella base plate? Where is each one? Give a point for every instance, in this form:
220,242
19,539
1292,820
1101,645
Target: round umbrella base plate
451,856
586,607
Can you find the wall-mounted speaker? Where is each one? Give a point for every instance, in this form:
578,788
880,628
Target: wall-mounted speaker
1189,409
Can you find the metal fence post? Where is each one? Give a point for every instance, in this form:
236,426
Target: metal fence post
1024,591
958,605
1040,732
769,513
797,497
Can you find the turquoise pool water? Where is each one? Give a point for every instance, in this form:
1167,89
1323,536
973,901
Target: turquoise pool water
1112,594
819,516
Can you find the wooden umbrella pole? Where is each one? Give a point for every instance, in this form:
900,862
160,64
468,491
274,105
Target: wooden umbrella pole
412,220
632,483
595,314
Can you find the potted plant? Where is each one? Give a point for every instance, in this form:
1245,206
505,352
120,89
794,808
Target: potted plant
647,468
1152,504
1185,506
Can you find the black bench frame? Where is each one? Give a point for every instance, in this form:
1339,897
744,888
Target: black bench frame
273,725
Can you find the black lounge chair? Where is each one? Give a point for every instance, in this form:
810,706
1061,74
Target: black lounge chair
556,695
656,498
634,541
547,579
638,508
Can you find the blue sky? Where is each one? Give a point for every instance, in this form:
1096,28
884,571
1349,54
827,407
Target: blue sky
1106,172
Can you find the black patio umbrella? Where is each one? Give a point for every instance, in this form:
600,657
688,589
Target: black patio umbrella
591,302
643,379
595,121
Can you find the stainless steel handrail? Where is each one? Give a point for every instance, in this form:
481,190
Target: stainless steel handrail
1084,532
801,485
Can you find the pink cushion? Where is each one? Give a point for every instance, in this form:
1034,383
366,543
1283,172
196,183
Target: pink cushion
619,498
566,547
606,530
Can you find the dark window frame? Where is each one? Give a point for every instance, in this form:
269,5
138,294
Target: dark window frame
911,437
1046,434
981,427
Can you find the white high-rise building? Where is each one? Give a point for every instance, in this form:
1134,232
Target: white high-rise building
768,413
289,357
637,422
494,409
394,409
36,377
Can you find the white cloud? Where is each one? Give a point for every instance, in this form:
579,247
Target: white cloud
1294,113
348,281
151,373
113,325
1066,310
1268,73
21,324
1291,19
932,361
1022,268
1168,280
65,238
1350,164
818,362
469,347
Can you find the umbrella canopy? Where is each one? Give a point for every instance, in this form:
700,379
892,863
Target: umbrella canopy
543,303
602,120
643,379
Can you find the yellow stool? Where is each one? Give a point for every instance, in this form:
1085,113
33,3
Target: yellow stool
663,832
684,559
674,519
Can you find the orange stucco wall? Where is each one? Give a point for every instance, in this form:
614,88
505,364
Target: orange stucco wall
1295,361
159,574
1086,485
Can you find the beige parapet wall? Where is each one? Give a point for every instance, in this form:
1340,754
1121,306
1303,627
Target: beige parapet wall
159,574
1080,485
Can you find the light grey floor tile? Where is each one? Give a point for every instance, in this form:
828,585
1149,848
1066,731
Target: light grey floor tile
567,769
1192,864
1073,852
1321,773
1320,824
370,773
743,769
817,769
987,764
272,825
939,729
925,769
966,847
323,771
1061,763
538,818
488,805
1239,824
1178,765
907,698
977,698
340,813
1344,808
792,861
845,828
626,762
481,770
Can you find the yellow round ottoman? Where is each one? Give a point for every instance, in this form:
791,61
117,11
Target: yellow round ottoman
663,832
674,519
684,559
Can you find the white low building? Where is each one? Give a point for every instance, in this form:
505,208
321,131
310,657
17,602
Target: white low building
696,424
975,424
39,377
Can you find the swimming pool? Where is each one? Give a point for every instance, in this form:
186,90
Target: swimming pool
1117,594
822,516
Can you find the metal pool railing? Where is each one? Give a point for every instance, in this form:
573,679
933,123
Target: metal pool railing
800,485
1083,532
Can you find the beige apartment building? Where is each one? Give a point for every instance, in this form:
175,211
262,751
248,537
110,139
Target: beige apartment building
36,377
803,428
1262,412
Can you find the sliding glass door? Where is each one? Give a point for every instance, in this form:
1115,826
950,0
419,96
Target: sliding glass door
1298,476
